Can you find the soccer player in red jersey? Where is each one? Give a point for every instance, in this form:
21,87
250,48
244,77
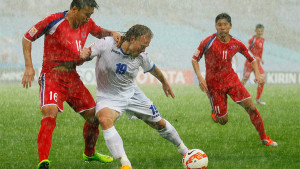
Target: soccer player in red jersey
221,80
65,35
256,47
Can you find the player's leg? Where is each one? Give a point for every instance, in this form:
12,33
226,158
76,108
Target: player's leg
83,102
257,122
44,140
241,96
167,131
219,104
51,103
260,88
143,108
212,114
113,140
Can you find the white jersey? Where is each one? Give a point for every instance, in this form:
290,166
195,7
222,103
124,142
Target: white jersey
116,71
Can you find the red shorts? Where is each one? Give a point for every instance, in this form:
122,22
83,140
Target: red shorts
248,69
57,87
218,97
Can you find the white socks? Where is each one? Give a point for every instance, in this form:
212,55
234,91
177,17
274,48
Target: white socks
170,133
114,142
182,149
115,145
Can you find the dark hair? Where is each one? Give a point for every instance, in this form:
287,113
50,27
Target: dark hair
223,16
80,4
259,26
137,31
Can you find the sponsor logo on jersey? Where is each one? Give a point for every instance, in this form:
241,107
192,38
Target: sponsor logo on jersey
117,52
32,31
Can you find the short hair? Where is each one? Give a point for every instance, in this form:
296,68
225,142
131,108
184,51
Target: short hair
223,16
80,4
258,26
137,31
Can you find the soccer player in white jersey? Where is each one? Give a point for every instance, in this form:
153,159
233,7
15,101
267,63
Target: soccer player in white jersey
117,91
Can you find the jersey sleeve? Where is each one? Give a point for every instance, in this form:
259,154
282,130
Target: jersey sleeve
147,63
200,50
94,29
40,28
244,50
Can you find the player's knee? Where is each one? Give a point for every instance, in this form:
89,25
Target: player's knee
106,122
157,125
90,117
250,108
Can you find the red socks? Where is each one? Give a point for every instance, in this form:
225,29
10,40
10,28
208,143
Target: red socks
259,91
258,123
44,140
90,135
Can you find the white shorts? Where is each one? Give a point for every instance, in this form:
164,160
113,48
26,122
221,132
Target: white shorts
138,106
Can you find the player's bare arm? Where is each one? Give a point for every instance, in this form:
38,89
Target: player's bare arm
202,81
116,35
29,70
166,87
258,78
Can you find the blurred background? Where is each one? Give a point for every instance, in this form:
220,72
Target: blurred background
178,26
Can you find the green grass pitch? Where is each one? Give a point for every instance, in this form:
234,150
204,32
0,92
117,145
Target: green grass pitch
233,146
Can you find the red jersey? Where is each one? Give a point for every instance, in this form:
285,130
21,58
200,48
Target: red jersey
62,43
218,56
256,46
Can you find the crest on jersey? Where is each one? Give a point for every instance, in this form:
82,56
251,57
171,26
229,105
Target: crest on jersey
83,34
233,47
32,31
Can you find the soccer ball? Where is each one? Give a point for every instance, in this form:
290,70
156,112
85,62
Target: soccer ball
195,159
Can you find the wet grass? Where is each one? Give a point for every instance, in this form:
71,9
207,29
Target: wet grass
235,145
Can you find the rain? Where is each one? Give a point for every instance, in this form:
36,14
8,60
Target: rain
178,27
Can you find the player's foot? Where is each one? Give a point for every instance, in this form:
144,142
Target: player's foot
45,164
213,116
267,141
259,101
98,157
126,167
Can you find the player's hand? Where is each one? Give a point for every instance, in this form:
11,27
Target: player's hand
85,52
120,42
260,80
168,91
203,86
28,77
117,37
262,61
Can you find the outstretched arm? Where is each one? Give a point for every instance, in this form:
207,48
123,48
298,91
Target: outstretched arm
29,70
202,81
166,87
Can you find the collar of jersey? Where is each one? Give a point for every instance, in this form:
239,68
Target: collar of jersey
123,52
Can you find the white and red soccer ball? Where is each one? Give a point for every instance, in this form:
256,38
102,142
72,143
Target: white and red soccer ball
195,159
